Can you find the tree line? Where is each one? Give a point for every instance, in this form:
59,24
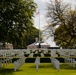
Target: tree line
61,18
16,22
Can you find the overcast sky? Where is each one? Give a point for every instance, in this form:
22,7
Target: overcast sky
42,6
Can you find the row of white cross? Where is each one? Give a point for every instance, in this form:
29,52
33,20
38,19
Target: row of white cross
54,61
5,61
19,63
67,52
67,55
62,52
70,62
8,55
32,54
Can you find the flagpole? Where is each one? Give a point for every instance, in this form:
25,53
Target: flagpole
39,29
39,25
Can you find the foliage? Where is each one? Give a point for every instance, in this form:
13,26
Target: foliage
32,34
61,14
63,39
15,18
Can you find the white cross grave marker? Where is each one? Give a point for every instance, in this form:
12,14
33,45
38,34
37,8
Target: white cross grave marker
37,62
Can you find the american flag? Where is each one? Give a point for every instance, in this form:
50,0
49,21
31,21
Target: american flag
37,13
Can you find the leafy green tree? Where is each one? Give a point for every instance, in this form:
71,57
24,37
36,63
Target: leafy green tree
63,39
32,34
62,16
15,18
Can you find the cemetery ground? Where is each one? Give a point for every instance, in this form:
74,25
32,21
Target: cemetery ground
44,69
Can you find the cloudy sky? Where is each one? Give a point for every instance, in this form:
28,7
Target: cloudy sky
42,6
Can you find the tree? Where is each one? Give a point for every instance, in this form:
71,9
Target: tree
60,14
15,18
63,39
32,34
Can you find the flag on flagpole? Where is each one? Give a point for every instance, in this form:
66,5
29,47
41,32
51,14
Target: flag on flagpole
37,13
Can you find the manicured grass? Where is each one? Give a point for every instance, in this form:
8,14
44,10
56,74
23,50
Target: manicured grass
44,69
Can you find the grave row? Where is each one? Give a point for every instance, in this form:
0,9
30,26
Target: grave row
69,56
19,63
7,56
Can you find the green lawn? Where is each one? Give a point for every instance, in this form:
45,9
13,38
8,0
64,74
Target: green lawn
44,69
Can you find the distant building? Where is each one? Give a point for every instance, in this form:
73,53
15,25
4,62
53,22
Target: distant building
37,45
7,46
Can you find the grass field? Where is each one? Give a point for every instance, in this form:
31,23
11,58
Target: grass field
44,69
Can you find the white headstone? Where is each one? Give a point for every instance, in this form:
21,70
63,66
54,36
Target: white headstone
37,62
31,55
42,55
53,53
56,63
